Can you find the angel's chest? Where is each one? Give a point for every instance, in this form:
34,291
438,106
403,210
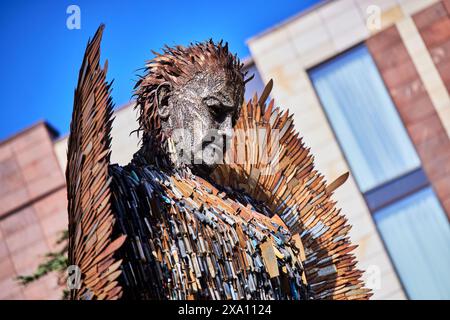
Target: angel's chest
184,228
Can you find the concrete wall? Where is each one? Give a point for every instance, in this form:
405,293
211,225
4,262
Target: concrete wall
123,145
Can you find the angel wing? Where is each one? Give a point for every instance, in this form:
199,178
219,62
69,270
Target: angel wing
91,220
269,161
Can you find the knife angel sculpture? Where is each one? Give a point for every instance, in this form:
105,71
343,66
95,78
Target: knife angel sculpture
220,202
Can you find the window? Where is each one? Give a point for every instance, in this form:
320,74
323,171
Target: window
387,170
365,120
417,225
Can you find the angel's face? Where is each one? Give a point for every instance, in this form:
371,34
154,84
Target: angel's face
201,118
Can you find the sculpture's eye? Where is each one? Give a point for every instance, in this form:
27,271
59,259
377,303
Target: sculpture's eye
215,106
219,109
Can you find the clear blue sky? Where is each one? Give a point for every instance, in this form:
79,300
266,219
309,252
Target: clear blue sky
40,56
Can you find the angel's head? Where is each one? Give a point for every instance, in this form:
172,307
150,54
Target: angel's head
190,98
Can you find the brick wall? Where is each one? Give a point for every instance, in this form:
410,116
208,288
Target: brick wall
32,211
412,97
433,24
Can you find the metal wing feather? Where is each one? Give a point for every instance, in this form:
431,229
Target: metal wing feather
91,220
269,160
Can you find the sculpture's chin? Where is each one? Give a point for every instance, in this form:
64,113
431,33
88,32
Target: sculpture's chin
210,155
206,161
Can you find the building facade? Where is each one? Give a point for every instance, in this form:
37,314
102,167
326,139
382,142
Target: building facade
368,84
33,211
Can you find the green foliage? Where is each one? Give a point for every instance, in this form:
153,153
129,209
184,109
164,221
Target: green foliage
53,262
